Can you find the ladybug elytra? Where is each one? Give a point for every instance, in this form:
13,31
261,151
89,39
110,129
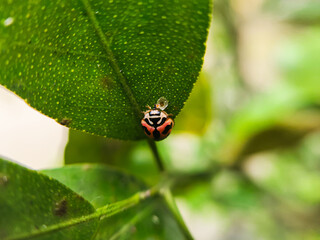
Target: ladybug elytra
156,123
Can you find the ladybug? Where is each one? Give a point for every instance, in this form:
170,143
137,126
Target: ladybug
156,123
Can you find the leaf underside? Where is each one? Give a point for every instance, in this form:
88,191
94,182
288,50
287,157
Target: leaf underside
94,65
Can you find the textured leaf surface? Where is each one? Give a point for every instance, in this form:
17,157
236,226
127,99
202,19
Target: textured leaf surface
93,65
102,185
31,202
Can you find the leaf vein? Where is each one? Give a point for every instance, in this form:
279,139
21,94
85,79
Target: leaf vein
120,22
112,60
56,50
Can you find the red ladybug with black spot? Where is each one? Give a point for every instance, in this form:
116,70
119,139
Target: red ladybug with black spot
156,123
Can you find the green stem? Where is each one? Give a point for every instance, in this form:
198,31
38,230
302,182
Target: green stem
167,193
156,155
126,227
175,212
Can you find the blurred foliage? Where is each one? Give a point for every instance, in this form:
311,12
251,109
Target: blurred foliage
197,112
83,148
264,176
304,13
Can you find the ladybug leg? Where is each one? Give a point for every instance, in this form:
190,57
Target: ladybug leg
170,115
147,106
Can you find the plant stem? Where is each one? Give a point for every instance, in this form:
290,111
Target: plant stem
167,195
132,222
175,212
156,155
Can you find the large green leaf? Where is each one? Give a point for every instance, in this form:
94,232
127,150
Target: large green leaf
93,65
32,204
102,185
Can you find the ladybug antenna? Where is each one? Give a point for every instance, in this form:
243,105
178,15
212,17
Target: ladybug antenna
155,106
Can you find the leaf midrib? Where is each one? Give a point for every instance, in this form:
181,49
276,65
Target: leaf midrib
112,60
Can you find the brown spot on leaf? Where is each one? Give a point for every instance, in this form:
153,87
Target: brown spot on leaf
80,197
65,121
175,108
60,208
107,82
192,56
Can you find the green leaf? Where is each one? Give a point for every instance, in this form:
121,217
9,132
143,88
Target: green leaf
102,185
93,65
33,205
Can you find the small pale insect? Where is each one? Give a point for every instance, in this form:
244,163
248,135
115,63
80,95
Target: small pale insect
156,123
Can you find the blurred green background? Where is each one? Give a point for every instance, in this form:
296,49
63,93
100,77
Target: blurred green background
246,146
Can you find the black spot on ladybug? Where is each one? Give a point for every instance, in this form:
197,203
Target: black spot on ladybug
155,120
61,208
65,121
167,128
107,82
148,122
162,121
156,134
146,130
